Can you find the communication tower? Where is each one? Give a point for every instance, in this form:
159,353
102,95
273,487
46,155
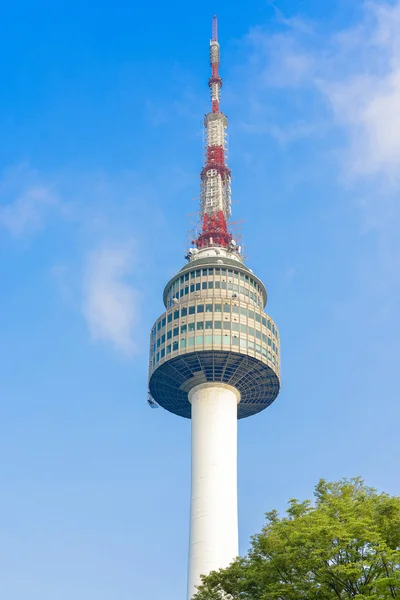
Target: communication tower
214,352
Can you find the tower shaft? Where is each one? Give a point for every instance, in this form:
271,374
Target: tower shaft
213,513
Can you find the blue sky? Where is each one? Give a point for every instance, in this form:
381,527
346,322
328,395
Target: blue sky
101,108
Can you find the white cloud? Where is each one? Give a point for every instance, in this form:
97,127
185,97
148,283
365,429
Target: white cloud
111,305
85,207
361,81
24,200
354,71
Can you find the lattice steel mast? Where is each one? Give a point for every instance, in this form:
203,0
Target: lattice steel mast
215,203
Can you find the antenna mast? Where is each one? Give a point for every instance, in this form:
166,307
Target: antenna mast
215,192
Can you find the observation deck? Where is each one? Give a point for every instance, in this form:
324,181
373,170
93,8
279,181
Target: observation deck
214,330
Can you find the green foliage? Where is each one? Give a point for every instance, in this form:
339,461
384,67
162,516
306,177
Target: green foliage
345,545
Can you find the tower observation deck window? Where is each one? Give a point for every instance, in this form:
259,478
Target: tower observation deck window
183,312
209,307
176,331
200,308
192,310
217,324
176,314
191,326
200,325
175,346
209,324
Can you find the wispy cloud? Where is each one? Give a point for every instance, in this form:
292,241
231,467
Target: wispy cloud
354,73
111,305
24,200
94,277
362,86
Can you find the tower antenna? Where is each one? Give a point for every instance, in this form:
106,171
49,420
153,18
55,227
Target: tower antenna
215,187
214,29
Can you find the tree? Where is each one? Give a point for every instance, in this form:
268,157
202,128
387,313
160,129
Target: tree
344,545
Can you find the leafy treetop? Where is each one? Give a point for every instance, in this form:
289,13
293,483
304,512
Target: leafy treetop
344,545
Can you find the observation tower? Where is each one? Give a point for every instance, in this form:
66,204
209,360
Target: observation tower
214,352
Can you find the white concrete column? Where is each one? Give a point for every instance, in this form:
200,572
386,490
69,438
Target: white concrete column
214,513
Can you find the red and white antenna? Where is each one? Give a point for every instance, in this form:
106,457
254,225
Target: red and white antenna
215,196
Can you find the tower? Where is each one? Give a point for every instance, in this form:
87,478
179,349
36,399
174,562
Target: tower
214,353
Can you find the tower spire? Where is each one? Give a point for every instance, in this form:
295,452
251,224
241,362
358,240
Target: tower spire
215,193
